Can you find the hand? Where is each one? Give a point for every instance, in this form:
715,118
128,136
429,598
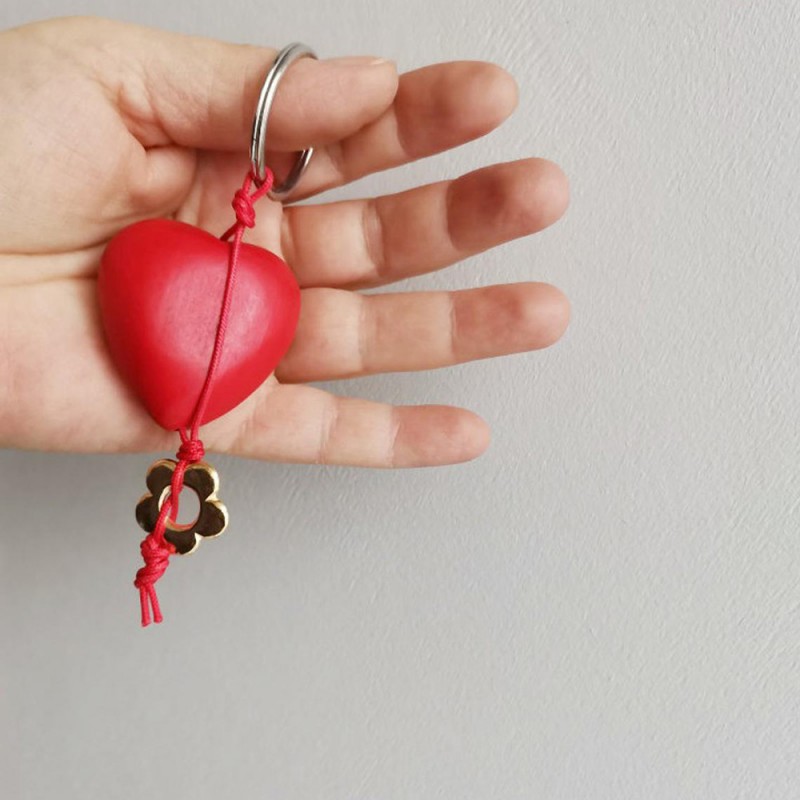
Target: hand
105,124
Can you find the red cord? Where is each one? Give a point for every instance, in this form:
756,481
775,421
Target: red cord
155,549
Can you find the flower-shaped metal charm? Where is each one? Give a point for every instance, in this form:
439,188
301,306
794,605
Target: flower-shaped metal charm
203,479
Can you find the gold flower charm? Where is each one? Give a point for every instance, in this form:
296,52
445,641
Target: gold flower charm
203,479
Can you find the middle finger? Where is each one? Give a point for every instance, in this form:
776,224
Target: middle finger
370,242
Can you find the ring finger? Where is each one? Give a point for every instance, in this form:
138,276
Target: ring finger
345,334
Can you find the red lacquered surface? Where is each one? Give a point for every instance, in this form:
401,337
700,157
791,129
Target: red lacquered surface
161,286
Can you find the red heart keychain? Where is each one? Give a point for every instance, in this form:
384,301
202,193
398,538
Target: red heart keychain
196,324
160,286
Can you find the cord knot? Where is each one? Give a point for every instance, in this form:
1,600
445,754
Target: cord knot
191,451
243,207
155,555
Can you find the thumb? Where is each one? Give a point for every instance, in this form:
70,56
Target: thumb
199,92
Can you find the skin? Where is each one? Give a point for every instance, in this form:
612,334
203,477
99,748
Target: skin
112,123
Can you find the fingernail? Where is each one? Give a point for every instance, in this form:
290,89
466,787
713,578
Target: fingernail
358,61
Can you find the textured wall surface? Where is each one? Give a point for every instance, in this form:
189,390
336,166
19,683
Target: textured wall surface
602,607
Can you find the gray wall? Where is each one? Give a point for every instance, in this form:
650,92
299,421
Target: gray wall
602,606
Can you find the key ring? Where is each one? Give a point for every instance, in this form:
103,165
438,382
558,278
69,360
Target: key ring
258,137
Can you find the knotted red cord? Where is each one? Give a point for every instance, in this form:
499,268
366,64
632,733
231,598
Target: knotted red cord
156,550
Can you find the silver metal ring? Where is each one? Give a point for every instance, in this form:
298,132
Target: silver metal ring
258,137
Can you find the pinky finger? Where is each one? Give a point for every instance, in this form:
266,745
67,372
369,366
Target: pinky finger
303,424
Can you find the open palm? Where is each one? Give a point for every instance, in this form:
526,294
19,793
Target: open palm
105,124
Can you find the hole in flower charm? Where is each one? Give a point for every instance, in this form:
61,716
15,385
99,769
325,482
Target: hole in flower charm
202,478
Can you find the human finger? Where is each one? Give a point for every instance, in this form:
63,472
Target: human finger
345,334
305,424
199,92
436,108
370,242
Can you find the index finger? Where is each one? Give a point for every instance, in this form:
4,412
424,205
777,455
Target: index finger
436,108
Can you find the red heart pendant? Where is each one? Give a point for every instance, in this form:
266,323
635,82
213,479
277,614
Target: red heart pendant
161,285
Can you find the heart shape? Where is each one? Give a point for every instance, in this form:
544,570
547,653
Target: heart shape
161,285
